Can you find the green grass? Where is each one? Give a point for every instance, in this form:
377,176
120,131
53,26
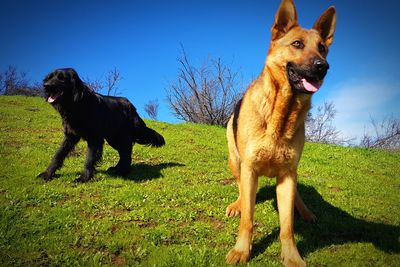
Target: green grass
170,210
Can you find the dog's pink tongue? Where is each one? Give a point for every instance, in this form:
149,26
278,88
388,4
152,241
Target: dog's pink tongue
50,99
311,86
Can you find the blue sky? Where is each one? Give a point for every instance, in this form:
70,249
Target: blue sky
142,40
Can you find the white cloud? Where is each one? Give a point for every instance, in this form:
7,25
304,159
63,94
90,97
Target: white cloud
356,102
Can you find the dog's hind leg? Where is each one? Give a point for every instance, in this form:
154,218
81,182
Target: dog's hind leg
233,209
93,156
304,212
234,165
123,166
65,148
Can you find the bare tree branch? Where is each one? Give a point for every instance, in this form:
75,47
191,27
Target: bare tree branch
109,83
206,94
385,135
15,82
319,127
96,85
113,77
12,81
151,109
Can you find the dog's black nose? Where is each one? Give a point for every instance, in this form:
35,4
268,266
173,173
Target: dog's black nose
320,64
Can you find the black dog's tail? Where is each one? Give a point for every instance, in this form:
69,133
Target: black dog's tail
144,135
147,136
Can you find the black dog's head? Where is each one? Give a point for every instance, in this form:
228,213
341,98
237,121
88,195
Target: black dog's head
63,85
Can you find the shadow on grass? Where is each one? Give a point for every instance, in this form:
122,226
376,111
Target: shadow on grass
333,227
141,172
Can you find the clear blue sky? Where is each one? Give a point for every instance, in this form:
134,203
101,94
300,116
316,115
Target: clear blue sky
142,39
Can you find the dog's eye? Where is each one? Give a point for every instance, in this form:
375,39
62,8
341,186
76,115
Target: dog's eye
298,44
321,48
60,76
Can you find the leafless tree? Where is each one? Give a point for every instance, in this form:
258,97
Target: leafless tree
110,84
206,94
385,134
35,89
113,77
151,109
12,81
96,85
319,127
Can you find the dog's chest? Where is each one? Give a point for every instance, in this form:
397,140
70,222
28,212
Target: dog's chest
271,156
78,125
277,153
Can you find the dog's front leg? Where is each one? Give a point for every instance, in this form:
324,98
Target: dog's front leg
248,188
94,153
65,148
286,193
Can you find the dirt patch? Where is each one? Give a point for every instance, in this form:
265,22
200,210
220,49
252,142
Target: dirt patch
32,109
118,260
228,181
335,189
214,222
142,224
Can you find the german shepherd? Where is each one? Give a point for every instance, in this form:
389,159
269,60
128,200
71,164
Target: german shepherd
266,132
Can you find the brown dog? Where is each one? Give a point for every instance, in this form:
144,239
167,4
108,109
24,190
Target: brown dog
266,132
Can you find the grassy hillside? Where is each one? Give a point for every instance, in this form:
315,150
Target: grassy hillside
170,210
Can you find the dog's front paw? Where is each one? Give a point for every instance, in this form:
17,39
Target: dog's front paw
233,209
116,170
46,176
292,258
83,178
236,256
294,262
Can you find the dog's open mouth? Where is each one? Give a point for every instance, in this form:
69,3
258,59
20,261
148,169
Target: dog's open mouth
301,82
54,96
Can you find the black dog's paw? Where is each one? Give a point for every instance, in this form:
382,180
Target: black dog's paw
112,170
46,176
83,178
118,171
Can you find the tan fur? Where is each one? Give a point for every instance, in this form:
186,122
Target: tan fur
270,132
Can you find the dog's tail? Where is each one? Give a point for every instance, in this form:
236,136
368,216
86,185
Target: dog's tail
144,135
147,136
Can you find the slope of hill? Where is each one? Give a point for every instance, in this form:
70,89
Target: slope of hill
170,210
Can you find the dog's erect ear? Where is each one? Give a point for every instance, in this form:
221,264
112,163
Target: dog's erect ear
285,19
326,25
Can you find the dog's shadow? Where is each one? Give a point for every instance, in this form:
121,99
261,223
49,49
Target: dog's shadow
141,172
333,227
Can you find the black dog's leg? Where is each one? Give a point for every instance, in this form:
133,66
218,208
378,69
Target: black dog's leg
93,156
123,166
66,147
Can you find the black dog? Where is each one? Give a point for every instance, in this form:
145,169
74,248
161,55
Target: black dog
94,117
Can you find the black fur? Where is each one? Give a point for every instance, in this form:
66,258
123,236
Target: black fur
94,117
236,112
